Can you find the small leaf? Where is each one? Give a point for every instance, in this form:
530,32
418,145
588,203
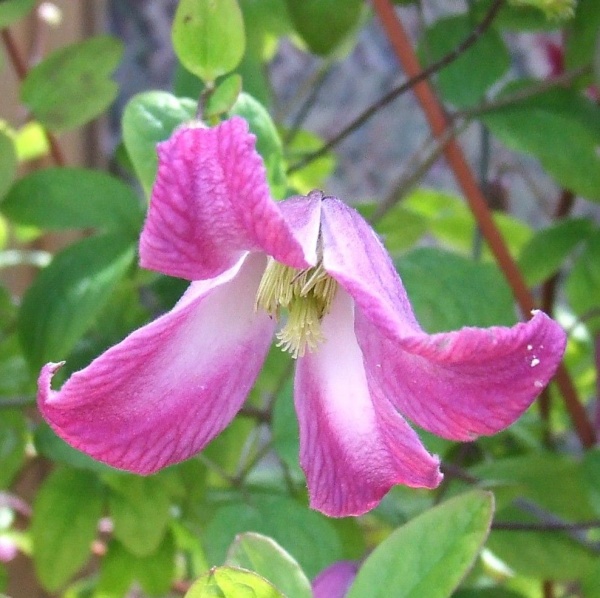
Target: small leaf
224,96
228,582
268,143
309,17
13,438
13,10
464,81
139,508
63,198
71,86
208,37
31,142
308,536
581,35
546,251
67,295
429,555
149,118
313,175
264,556
8,163
65,515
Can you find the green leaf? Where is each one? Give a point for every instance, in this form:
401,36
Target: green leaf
63,198
13,438
309,16
65,515
591,477
208,37
536,477
552,9
71,86
453,224
31,142
8,163
464,81
13,10
48,444
156,571
582,34
561,129
517,17
583,283
431,554
540,554
313,175
544,254
67,296
268,143
400,228
223,98
306,535
448,291
139,508
264,556
149,118
228,582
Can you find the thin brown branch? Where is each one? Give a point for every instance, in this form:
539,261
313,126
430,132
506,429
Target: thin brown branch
523,94
435,115
21,69
546,526
404,87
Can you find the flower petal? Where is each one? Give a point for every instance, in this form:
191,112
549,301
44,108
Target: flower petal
163,393
353,445
466,383
335,581
210,203
356,258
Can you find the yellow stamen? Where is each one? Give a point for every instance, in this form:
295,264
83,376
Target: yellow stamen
306,294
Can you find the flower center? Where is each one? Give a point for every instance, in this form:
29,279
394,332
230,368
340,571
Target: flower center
306,294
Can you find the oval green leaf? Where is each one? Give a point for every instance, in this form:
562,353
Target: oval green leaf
264,556
71,86
546,251
310,16
465,80
431,554
209,37
65,516
67,296
229,582
63,198
149,118
268,142
8,163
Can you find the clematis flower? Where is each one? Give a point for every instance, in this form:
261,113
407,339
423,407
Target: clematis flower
363,361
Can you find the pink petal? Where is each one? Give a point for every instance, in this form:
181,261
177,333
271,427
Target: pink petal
353,445
210,203
168,389
335,581
355,257
457,385
462,384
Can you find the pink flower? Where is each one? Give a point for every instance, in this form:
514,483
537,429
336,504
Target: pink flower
363,362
